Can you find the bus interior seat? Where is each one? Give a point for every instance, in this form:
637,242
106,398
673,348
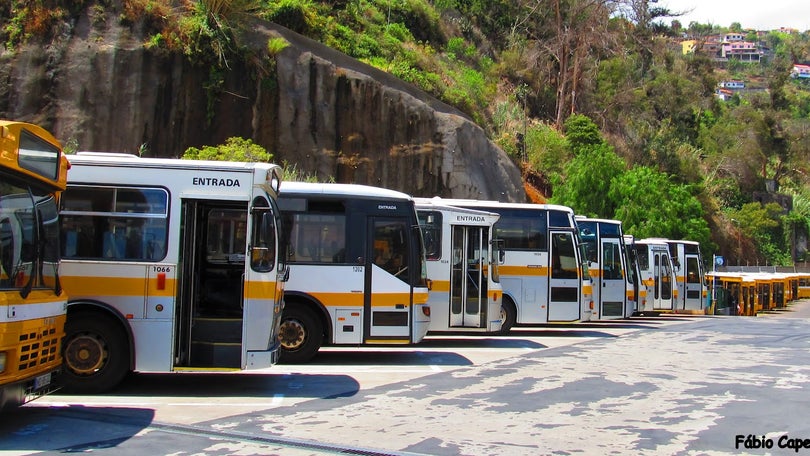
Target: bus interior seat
113,245
71,243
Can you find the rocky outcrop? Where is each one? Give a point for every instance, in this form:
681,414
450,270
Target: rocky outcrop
97,86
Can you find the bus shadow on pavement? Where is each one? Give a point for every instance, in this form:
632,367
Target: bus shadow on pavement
447,340
31,429
560,331
254,385
626,323
413,356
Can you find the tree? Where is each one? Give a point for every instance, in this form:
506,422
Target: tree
649,204
588,179
763,224
564,45
581,133
548,150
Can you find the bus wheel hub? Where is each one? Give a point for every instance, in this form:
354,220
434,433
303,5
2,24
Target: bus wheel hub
291,334
84,355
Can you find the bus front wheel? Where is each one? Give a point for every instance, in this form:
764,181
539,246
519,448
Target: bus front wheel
300,335
95,354
508,314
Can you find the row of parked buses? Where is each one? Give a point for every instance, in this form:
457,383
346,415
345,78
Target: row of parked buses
748,293
180,265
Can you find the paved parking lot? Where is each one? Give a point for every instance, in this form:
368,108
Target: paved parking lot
667,385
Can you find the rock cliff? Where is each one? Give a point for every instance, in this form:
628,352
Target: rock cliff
98,86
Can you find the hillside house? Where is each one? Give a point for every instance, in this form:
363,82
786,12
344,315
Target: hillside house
800,71
742,50
723,94
731,85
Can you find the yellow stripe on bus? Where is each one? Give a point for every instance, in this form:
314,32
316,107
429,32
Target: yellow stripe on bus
420,298
388,341
530,270
261,290
377,299
113,286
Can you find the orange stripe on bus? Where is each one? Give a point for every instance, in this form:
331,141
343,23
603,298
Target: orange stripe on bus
530,270
113,286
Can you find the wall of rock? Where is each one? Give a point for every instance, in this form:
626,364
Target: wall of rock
98,87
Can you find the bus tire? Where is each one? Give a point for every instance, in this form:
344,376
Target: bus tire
300,335
508,314
96,354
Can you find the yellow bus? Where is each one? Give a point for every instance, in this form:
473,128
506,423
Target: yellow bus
803,288
171,266
731,293
33,172
357,269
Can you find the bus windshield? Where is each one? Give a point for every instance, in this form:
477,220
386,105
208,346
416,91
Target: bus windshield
29,237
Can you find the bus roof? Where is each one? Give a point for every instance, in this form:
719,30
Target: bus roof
668,241
654,242
456,202
430,203
289,187
11,133
14,126
582,218
129,160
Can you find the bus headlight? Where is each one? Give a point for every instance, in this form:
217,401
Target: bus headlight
2,362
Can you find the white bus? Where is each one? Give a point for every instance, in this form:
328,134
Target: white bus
689,274
170,265
543,275
357,268
657,275
462,268
639,294
606,253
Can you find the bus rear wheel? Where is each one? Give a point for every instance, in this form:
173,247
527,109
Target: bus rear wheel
300,335
95,354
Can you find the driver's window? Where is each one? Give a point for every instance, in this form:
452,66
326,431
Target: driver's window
391,248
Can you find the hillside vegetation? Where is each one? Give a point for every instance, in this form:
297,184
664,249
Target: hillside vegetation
593,98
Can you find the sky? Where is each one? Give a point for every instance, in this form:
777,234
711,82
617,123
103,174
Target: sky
756,14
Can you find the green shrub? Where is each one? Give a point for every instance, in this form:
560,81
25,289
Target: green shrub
234,149
293,14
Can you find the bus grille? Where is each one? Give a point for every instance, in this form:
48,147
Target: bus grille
37,349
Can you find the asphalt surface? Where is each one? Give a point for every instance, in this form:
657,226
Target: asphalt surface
668,385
